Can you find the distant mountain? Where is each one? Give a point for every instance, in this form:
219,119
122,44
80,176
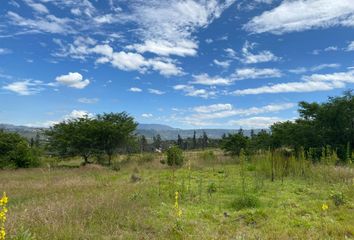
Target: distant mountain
172,134
148,130
27,132
156,127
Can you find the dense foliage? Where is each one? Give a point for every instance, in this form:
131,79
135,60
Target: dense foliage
86,137
174,156
329,124
16,152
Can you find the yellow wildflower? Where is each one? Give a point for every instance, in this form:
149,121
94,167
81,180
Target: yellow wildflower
177,209
3,211
324,207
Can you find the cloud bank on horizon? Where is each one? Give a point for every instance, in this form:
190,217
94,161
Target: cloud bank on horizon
186,63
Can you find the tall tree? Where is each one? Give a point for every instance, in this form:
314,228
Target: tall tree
194,141
180,141
115,131
157,141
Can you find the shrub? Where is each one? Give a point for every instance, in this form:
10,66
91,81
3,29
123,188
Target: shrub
246,201
208,156
338,198
211,188
174,156
15,152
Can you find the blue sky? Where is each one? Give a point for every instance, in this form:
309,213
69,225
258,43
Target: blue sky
185,63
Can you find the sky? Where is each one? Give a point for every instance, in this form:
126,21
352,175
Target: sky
184,63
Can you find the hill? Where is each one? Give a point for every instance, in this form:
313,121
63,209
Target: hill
148,130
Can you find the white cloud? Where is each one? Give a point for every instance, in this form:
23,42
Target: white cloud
147,115
193,92
78,114
4,51
49,23
253,73
166,27
223,64
220,111
73,80
38,7
230,52
165,48
300,15
350,46
291,87
135,89
155,91
205,79
213,108
24,88
324,66
340,77
261,57
301,70
209,40
130,61
255,122
331,49
88,100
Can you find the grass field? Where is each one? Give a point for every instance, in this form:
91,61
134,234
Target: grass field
95,202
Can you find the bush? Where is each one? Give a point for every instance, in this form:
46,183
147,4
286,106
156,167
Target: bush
212,188
246,201
208,156
174,156
338,198
15,152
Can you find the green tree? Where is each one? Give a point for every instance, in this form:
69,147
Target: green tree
180,142
15,151
233,143
174,156
74,137
115,130
157,142
143,143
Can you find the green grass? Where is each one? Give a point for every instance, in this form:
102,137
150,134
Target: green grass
94,202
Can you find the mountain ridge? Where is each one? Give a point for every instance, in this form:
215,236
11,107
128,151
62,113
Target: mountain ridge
148,130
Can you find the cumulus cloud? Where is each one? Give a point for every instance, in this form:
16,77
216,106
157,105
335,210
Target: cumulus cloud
291,87
350,46
260,57
255,122
166,27
147,115
78,114
223,64
88,100
135,89
193,92
300,15
213,108
73,80
24,88
130,61
219,111
253,73
320,67
155,91
205,79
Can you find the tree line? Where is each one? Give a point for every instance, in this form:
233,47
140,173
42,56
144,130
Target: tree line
319,126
